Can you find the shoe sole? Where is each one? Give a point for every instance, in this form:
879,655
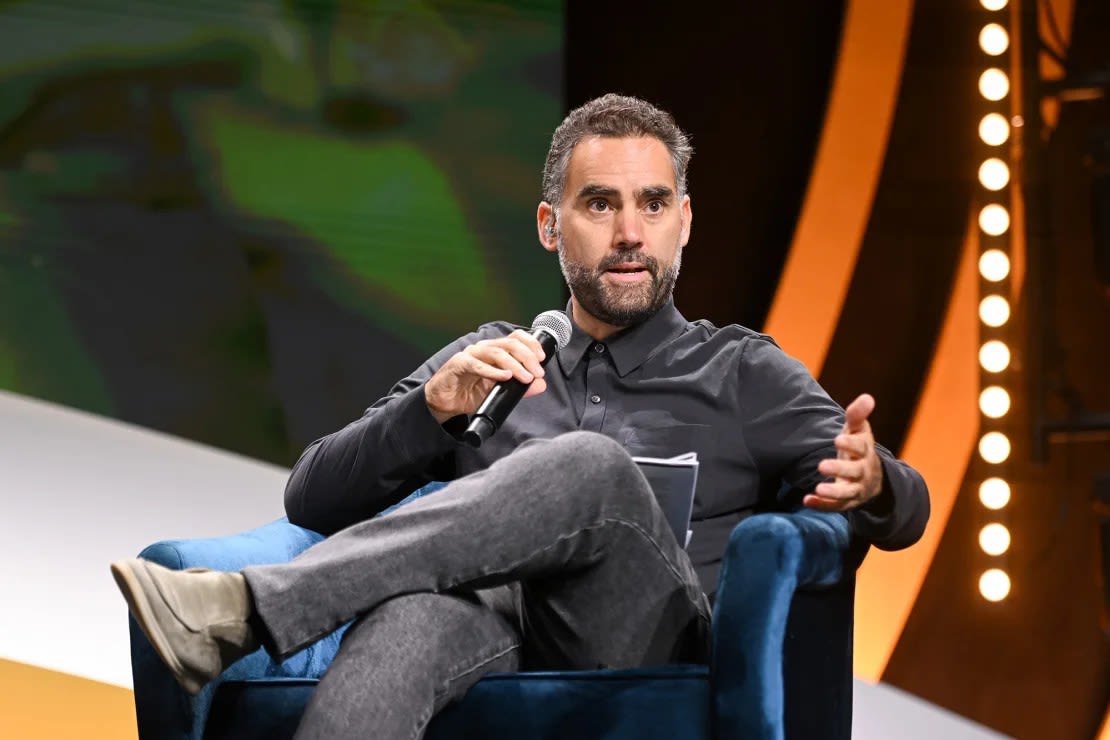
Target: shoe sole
134,583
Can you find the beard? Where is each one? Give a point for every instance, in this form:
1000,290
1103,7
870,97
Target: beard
620,305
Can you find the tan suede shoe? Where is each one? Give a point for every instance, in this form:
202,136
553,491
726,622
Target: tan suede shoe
196,619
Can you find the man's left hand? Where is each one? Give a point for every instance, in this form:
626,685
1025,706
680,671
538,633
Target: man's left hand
856,470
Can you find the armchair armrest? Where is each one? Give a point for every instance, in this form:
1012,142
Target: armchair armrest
774,567
276,542
163,709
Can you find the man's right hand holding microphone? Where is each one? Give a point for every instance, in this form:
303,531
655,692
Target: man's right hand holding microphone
464,381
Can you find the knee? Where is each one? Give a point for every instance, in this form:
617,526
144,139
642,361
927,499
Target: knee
590,453
590,449
597,466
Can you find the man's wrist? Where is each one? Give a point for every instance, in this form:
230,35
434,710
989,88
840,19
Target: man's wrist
882,503
440,415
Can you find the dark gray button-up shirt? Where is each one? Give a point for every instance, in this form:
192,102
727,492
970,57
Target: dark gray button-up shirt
757,419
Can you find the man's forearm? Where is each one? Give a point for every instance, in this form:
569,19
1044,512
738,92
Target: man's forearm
367,466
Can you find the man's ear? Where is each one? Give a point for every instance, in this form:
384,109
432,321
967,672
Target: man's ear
546,227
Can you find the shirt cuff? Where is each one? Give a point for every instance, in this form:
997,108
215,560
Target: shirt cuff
416,434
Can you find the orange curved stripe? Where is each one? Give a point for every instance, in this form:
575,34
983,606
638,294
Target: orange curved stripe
939,445
38,704
842,184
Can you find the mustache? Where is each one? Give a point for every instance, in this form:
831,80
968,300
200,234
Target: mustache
623,256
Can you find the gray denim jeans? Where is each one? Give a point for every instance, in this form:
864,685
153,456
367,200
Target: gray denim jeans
556,557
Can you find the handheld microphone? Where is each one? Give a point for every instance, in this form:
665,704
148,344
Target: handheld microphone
552,330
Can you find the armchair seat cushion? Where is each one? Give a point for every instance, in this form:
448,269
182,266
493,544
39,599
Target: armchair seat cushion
667,702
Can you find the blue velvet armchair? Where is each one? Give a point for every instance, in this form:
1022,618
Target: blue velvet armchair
781,662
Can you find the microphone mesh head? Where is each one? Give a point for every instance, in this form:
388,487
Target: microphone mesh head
556,324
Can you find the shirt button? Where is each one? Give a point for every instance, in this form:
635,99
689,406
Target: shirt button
595,398
599,348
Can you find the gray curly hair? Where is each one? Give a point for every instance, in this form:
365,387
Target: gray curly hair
617,116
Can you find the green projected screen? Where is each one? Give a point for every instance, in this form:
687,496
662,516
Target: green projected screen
241,221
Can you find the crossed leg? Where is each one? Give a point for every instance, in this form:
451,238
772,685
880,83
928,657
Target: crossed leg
556,556
571,519
404,661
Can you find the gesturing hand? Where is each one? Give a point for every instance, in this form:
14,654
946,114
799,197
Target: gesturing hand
460,386
857,472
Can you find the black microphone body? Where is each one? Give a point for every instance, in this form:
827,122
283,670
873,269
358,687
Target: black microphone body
504,396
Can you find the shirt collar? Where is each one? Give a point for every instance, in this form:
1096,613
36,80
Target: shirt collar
629,347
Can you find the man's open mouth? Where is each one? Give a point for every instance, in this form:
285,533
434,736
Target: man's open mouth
627,269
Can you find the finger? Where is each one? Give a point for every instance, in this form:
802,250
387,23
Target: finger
825,504
495,356
510,357
857,412
852,470
530,341
476,366
854,445
522,352
842,490
539,385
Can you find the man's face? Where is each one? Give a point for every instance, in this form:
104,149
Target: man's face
621,229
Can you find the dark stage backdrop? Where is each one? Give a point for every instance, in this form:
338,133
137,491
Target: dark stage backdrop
239,222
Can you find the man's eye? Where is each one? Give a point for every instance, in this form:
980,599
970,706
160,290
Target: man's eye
599,205
655,206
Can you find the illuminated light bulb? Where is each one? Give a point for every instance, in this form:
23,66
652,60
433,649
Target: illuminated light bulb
994,84
994,493
994,356
994,129
994,174
994,447
994,265
993,39
994,219
994,310
994,539
994,402
994,584
993,4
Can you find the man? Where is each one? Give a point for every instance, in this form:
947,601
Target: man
548,549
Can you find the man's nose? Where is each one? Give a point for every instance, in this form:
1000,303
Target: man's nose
629,231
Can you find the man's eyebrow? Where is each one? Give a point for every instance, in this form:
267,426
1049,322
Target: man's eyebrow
653,192
592,191
650,192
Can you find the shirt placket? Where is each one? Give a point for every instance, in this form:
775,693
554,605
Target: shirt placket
597,388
